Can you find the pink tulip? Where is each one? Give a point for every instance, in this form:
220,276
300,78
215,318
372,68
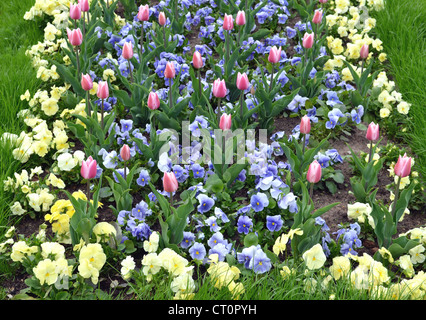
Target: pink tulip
170,71
305,125
127,51
240,20
225,122
219,88
242,81
317,17
363,53
403,166
153,101
308,40
75,37
103,90
86,82
323,1
274,55
170,183
372,132
143,13
125,152
88,168
75,12
197,60
162,19
84,5
228,22
314,172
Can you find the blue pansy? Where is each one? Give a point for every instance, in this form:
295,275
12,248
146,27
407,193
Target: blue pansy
212,223
188,239
206,203
274,223
143,178
244,224
259,201
197,251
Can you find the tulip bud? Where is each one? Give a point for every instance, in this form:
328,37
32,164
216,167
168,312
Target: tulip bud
225,121
103,90
127,51
84,5
75,37
162,19
242,81
274,55
228,22
88,168
75,12
170,183
86,82
305,125
308,40
372,132
363,53
197,60
125,152
170,71
240,20
323,1
143,13
403,166
153,101
317,17
219,88
314,172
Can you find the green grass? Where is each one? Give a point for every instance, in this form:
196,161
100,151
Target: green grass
16,76
402,28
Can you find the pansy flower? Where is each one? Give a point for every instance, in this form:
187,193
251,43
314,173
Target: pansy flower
212,223
244,224
188,239
197,251
259,201
274,223
143,178
206,203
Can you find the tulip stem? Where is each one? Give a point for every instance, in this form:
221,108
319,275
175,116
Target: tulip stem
304,143
396,198
77,58
272,78
164,37
124,173
171,199
88,194
241,105
102,114
311,190
88,111
141,42
370,157
199,83
84,25
218,111
239,36
226,47
130,72
170,95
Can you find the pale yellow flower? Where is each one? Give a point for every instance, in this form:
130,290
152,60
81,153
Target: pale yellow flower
314,257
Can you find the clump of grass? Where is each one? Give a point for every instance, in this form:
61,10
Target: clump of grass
402,29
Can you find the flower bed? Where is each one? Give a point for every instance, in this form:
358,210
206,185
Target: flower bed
216,136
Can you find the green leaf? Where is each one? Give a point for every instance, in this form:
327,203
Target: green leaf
251,239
